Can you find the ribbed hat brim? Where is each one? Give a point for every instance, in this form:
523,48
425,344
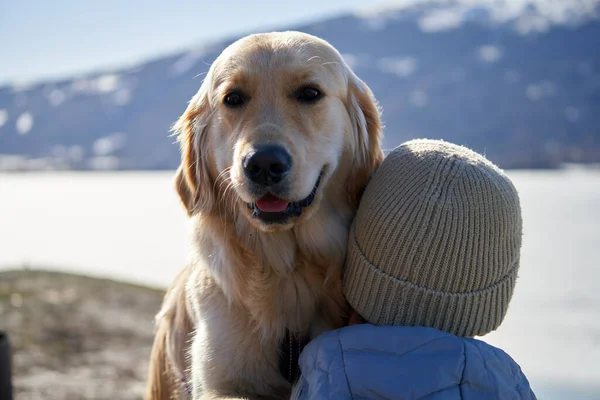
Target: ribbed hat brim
386,300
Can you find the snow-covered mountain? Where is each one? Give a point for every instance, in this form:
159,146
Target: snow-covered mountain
516,79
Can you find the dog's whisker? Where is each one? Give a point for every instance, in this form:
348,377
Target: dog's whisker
224,172
229,201
201,73
221,180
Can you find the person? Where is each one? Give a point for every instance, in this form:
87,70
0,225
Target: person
433,257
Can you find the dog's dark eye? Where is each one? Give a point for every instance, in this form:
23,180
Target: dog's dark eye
233,100
309,95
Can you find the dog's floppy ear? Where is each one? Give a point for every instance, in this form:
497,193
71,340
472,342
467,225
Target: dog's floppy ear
366,121
192,180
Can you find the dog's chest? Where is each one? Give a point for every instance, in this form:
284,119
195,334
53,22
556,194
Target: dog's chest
246,301
276,303
279,288
242,340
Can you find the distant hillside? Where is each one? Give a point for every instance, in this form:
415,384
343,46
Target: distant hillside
521,84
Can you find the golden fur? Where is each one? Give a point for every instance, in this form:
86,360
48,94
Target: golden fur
224,316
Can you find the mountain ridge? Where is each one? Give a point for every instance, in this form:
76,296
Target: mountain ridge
520,84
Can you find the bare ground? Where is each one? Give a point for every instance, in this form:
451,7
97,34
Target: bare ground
76,337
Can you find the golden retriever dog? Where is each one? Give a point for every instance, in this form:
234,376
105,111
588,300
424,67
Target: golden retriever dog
277,146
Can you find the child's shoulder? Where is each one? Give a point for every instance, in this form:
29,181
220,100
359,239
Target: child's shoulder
394,359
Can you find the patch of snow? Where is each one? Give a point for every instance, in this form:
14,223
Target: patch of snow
80,85
540,15
375,18
489,53
537,91
534,92
56,97
531,24
122,97
526,16
419,98
572,114
104,163
401,66
441,19
3,117
24,123
188,61
107,83
59,151
375,11
76,153
60,158
109,144
45,164
355,61
101,84
351,60
22,86
11,162
374,24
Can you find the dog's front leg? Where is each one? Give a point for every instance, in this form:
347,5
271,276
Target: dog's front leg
202,390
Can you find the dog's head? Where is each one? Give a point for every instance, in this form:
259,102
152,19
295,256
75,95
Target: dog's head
278,118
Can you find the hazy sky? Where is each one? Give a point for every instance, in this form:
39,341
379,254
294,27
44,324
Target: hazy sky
54,38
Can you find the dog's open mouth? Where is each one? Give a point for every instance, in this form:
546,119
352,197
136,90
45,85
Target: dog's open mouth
272,209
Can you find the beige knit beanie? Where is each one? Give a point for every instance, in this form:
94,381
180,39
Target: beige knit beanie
436,241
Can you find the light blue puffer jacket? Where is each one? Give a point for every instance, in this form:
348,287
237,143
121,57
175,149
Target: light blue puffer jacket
394,362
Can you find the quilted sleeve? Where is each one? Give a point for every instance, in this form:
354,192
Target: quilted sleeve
370,362
323,372
490,373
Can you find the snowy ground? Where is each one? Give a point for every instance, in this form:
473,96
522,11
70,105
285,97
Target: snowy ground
130,226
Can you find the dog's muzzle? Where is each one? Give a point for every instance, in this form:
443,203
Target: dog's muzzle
271,209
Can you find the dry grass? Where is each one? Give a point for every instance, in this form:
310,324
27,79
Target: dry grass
76,337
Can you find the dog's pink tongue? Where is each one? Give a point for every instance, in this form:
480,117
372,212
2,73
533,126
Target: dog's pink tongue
270,203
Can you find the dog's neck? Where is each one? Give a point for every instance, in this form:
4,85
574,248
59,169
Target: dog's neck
249,265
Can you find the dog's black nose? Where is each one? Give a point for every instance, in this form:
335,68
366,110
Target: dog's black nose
267,164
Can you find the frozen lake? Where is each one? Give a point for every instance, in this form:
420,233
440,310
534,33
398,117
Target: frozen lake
130,226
